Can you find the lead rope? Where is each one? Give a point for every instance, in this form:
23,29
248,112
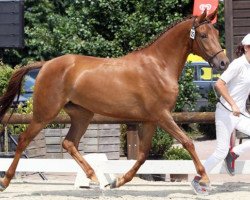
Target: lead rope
219,101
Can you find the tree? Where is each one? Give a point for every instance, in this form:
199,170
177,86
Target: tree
106,28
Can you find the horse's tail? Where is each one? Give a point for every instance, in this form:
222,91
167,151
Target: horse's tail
14,86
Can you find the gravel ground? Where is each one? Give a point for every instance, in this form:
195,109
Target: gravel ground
136,189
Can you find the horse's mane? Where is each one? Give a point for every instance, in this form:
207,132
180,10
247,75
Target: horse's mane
163,32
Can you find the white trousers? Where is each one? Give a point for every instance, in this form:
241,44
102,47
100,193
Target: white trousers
225,123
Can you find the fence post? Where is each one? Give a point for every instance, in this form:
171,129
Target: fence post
6,140
132,141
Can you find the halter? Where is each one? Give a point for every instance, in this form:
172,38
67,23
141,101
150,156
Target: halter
192,36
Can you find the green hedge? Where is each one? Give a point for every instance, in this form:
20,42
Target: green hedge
5,74
104,28
177,153
161,142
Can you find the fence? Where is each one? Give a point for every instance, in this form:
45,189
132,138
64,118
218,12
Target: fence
180,118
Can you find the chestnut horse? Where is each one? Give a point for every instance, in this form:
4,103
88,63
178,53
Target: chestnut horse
141,85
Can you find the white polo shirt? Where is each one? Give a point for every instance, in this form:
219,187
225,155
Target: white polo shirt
237,78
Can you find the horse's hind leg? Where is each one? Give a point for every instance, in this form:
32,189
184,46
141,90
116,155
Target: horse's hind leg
80,119
24,139
145,140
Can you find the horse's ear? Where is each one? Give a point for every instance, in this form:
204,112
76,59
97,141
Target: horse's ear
211,16
202,17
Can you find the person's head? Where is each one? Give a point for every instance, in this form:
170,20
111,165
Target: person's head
244,46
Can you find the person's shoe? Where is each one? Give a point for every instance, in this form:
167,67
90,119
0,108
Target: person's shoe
199,188
230,162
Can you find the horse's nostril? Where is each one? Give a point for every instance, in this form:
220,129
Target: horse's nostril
222,63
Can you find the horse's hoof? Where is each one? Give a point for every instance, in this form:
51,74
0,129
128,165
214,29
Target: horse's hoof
113,184
94,179
2,187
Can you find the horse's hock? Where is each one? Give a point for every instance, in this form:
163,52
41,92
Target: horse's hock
99,138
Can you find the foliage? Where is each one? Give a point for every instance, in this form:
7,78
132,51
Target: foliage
220,25
161,142
107,28
212,101
188,91
104,28
5,74
123,138
177,153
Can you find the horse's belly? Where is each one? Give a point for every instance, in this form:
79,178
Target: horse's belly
116,104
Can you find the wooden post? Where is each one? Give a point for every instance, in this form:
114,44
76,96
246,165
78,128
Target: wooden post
6,140
132,141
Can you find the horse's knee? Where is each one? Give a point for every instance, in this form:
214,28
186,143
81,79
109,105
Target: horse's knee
67,145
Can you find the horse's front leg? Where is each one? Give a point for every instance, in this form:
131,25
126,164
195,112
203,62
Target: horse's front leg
145,139
169,125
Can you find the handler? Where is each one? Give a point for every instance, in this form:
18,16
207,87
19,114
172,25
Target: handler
231,113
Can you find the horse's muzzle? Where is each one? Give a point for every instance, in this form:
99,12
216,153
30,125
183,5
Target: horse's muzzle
220,63
224,64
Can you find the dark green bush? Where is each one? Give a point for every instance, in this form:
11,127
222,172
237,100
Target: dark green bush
5,74
123,139
161,142
104,28
177,153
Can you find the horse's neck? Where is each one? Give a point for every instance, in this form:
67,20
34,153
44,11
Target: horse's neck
173,47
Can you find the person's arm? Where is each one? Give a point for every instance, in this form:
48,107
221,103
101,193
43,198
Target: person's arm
221,87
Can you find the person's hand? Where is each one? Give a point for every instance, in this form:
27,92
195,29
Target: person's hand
235,110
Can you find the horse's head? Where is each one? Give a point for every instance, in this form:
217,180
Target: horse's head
206,41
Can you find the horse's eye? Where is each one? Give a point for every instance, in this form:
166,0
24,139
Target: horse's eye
203,35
